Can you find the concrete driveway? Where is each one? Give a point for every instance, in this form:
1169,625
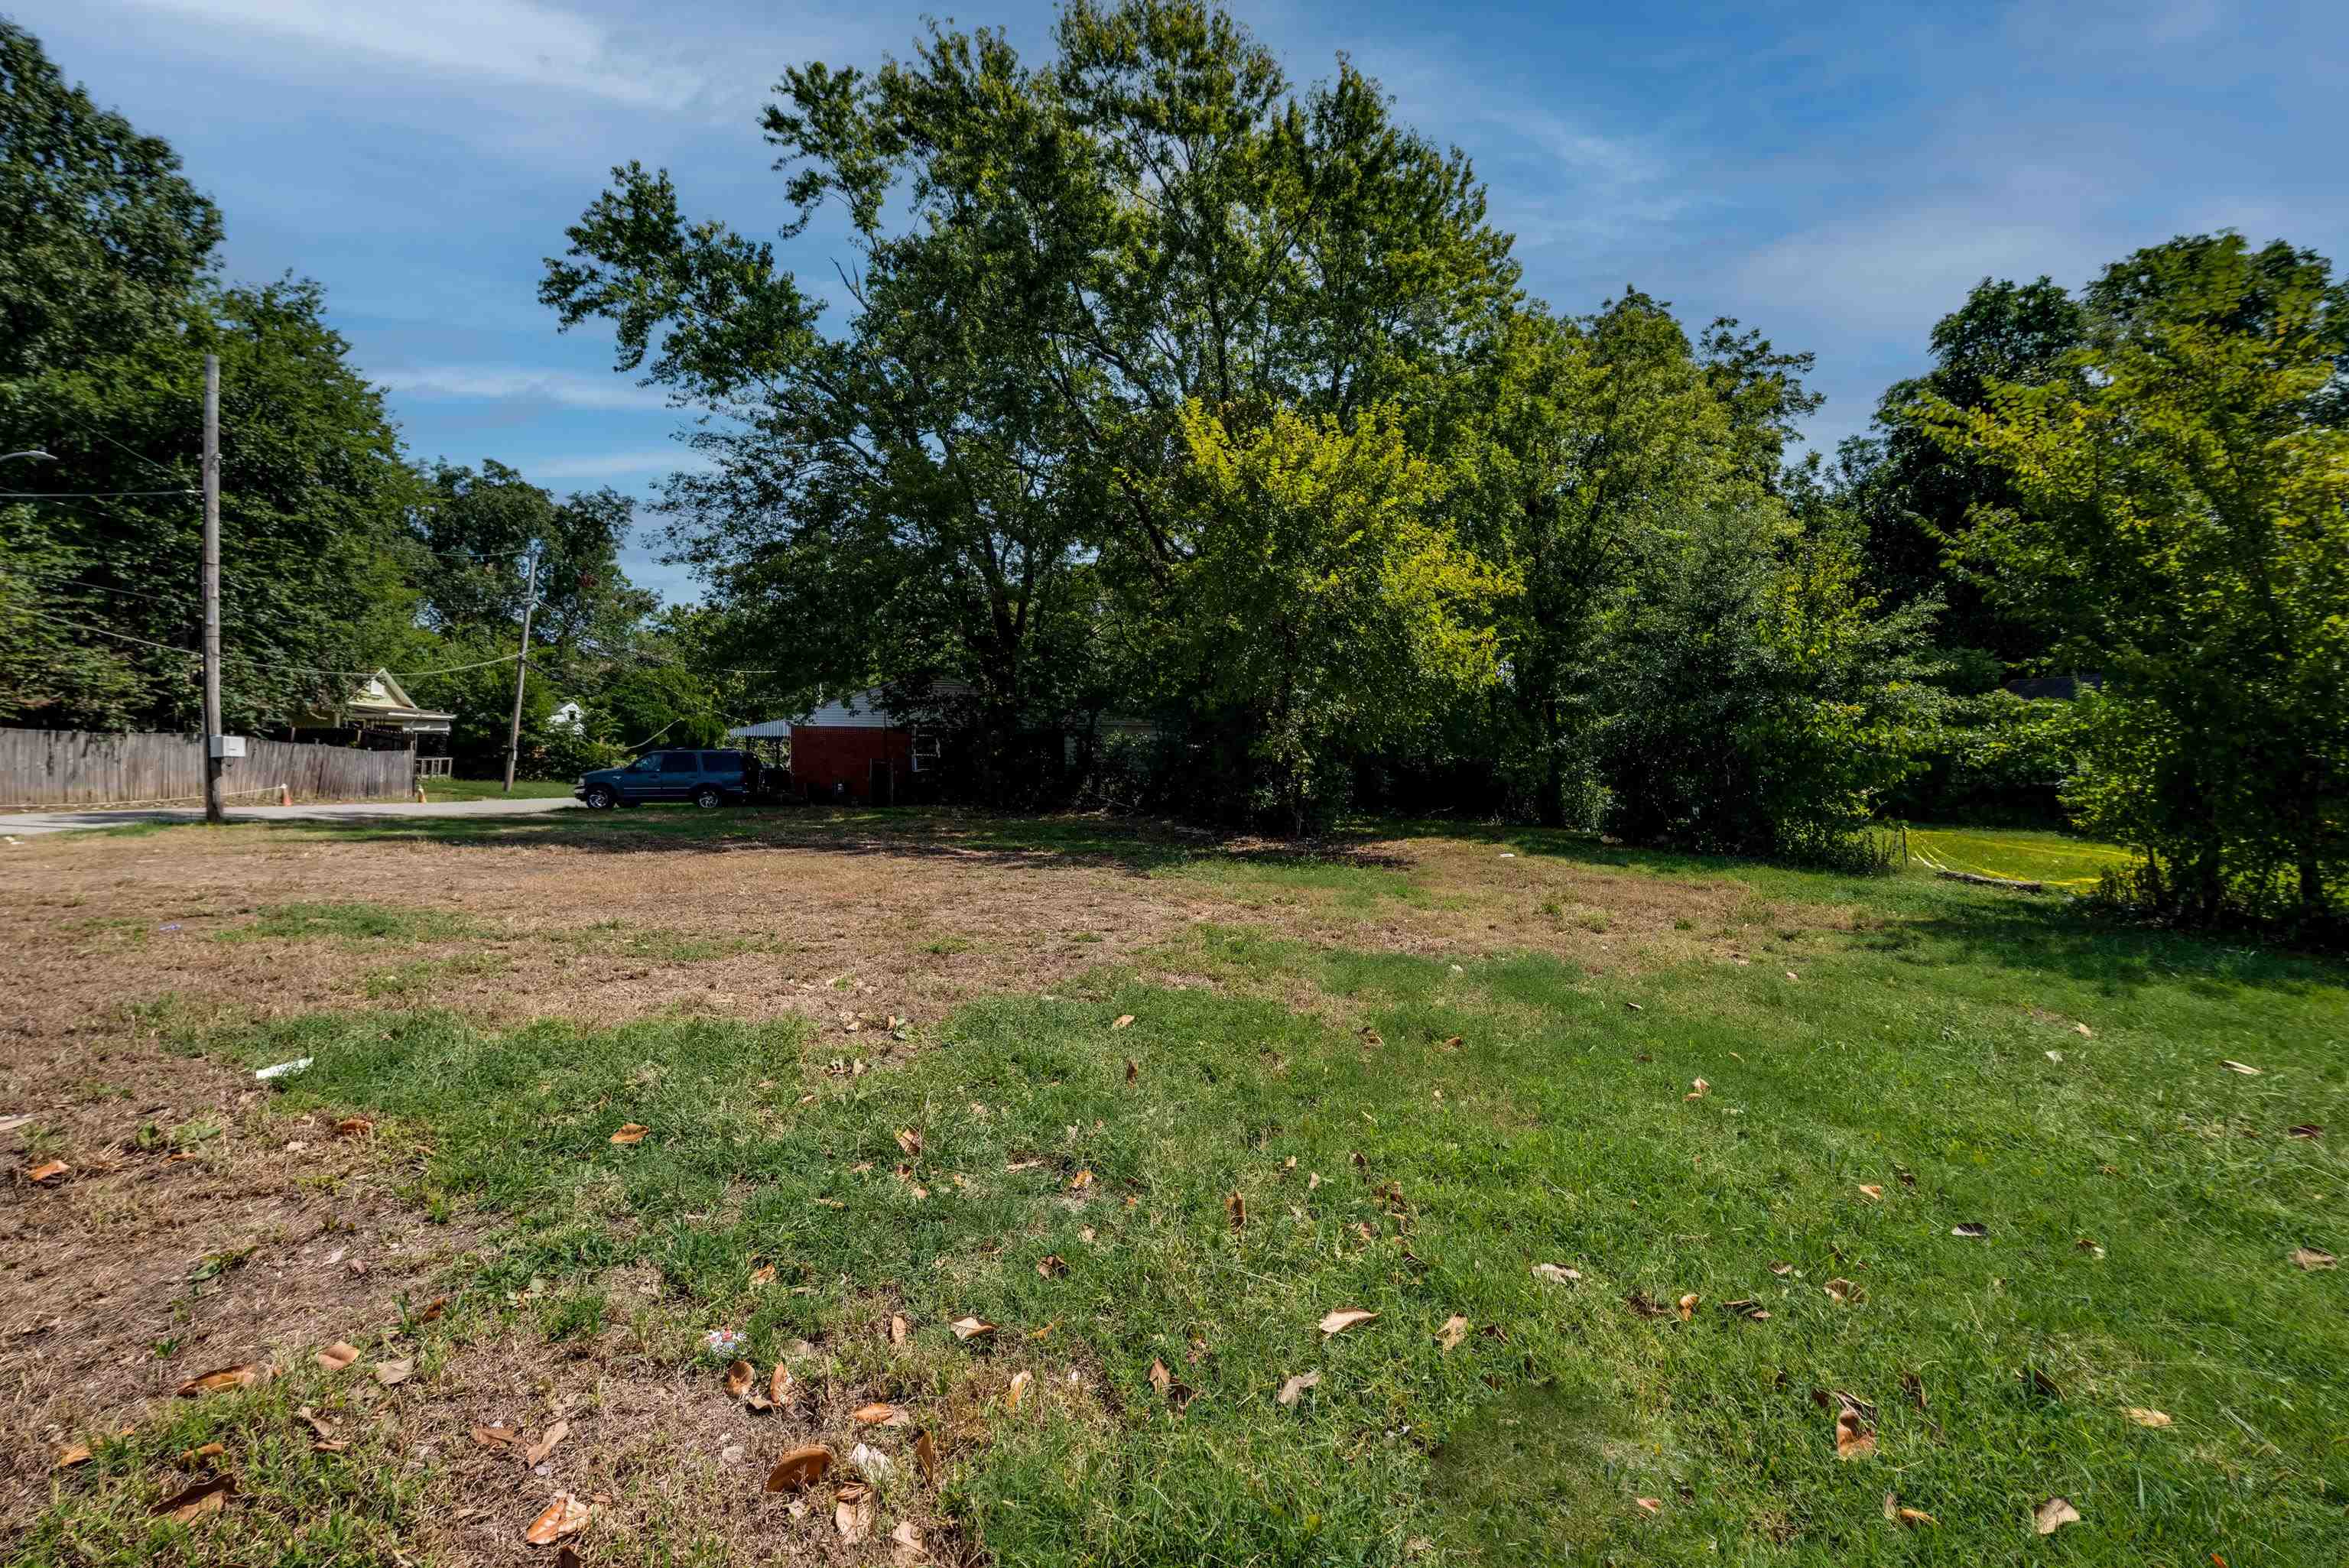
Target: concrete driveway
28,823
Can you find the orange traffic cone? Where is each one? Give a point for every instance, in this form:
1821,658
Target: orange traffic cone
284,794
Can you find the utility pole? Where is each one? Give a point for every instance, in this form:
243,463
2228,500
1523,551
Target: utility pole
215,743
521,670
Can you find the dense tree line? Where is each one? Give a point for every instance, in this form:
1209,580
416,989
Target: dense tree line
339,554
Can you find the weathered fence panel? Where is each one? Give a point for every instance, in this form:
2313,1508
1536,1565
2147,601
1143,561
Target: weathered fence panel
48,768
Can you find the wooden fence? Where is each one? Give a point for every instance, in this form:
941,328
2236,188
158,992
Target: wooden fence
40,768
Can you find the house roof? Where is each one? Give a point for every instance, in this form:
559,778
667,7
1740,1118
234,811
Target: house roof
382,697
857,710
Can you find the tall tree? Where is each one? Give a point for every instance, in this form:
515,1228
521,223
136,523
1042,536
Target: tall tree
2183,520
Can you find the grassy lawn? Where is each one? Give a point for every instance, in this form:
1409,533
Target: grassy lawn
495,789
1638,1223
2019,854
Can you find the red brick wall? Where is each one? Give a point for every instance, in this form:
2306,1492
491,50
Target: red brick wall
821,757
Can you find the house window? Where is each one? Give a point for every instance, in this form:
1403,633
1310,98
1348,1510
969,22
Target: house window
925,749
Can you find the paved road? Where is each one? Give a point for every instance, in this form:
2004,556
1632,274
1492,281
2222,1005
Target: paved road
28,823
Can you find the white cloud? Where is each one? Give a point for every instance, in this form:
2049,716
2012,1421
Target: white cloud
516,41
617,465
1899,273
497,383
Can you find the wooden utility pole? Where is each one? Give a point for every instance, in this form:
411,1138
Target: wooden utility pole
521,670
215,743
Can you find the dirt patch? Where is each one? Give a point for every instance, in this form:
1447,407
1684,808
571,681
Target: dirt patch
195,1230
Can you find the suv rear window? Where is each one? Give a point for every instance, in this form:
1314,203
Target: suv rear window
721,762
680,762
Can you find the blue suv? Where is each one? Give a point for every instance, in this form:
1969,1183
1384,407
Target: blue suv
707,778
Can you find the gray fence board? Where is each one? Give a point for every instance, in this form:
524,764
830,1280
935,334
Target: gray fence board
44,768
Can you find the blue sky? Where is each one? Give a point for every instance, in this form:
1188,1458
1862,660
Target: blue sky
1837,175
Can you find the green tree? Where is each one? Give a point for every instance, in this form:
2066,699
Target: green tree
106,239
2183,518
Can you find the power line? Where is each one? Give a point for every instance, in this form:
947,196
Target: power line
86,495
271,663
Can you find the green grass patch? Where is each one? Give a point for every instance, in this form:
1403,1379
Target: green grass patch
420,978
355,924
2140,1204
2017,854
438,789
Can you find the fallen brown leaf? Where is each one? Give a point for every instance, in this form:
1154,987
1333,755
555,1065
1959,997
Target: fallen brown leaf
899,1328
1124,1020
2305,1129
1557,1274
536,1453
1132,1070
1294,1389
566,1515
334,1357
971,1328
245,1377
1697,1090
2145,1417
354,1127
2053,1515
1019,1390
48,1171
800,1468
1854,1440
926,1454
1843,1291
909,1140
763,1274
851,1512
494,1436
907,1537
779,1386
197,1501
879,1414
2248,1071
1080,1180
72,1454
1235,1210
1688,1306
1051,1265
633,1132
1873,1193
2310,1258
191,1458
1782,1269
1455,1330
1341,1319
739,1379
1908,1517
1649,1504
392,1374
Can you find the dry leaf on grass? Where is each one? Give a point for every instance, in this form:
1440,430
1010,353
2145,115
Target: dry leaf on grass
1557,1274
800,1468
354,1127
2145,1417
1873,1193
971,1328
1970,1230
2085,1032
879,1414
1343,1318
909,1140
2248,1071
1019,1390
190,1459
1688,1306
1697,1090
739,1379
1124,1020
926,1454
202,1499
1455,1330
2310,1258
1235,1210
1909,1517
2053,1515
48,1171
1649,1504
899,1328
536,1453
1782,1268
1294,1389
851,1512
1853,1438
2305,1129
1160,1378
632,1133
494,1436
392,1374
334,1357
566,1515
779,1386
1132,1070
1080,1180
1051,1265
1843,1291
247,1376
72,1454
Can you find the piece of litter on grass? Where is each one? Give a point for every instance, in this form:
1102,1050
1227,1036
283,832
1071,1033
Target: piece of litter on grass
1971,1232
2053,1515
281,1069
2248,1071
2055,1056
723,1342
1507,855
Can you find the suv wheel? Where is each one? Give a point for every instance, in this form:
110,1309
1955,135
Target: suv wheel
600,798
708,799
